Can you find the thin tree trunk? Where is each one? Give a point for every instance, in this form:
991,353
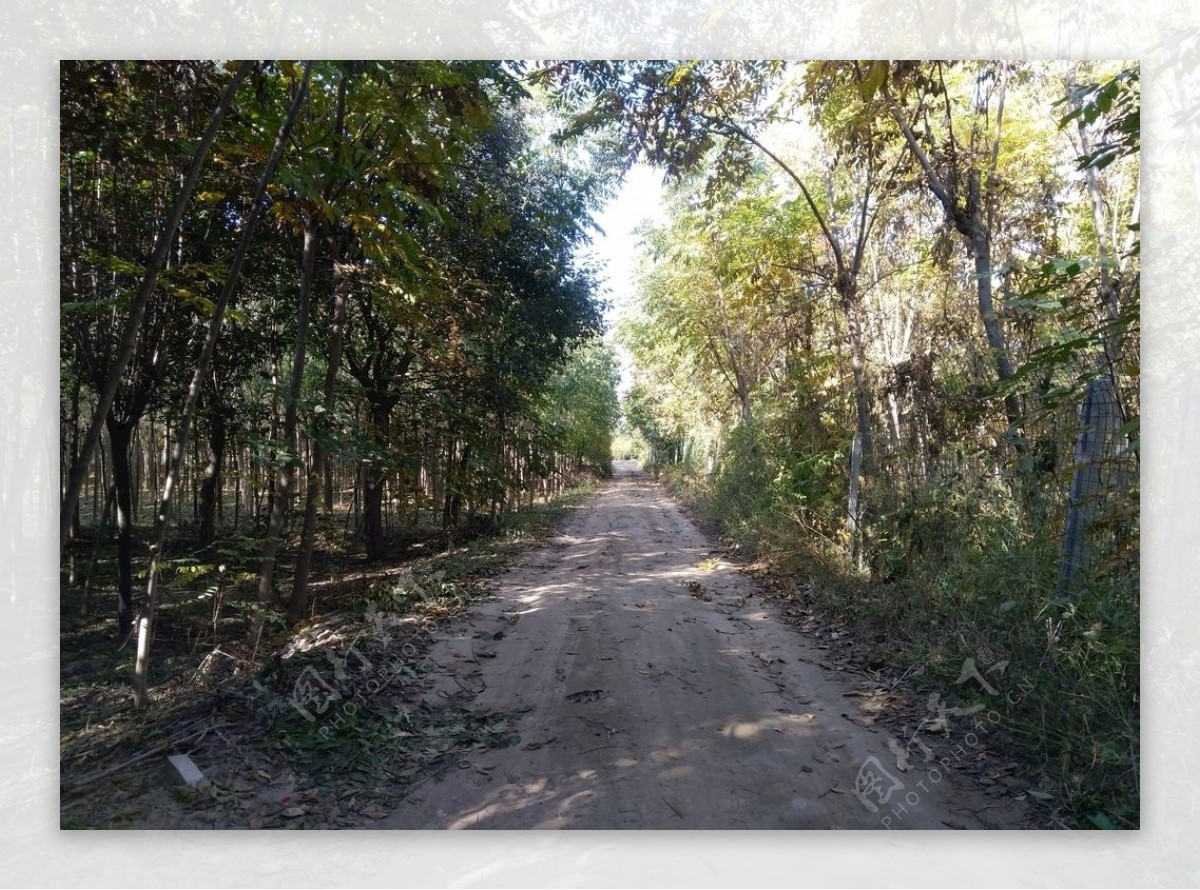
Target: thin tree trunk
374,483
146,628
318,463
135,471
352,513
269,471
448,494
862,397
101,531
457,501
73,528
287,476
981,248
969,222
436,474
238,486
69,460
118,438
852,505
319,469
329,484
137,311
101,483
212,474
196,484
862,463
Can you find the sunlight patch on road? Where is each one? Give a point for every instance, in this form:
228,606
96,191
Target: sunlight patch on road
741,730
787,725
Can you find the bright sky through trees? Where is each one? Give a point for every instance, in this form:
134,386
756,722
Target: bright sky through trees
638,201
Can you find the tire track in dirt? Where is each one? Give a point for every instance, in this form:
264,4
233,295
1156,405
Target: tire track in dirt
657,693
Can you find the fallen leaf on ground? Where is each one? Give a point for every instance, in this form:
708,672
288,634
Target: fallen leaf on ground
587,695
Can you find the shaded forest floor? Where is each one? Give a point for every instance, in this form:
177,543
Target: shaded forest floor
255,718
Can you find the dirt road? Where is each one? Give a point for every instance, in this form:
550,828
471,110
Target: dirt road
658,690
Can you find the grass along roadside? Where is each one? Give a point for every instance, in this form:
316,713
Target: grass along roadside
1059,678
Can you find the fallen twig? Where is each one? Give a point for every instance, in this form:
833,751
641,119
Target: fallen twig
609,729
157,749
683,681
467,688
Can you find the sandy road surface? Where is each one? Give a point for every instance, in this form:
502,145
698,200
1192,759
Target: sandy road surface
649,703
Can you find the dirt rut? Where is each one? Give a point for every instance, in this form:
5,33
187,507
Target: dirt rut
656,689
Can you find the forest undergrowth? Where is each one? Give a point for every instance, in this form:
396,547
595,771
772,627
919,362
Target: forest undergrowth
1064,676
244,709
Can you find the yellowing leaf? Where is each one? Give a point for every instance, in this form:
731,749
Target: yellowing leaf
876,77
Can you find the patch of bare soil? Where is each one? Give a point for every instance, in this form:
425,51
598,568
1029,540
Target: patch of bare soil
656,688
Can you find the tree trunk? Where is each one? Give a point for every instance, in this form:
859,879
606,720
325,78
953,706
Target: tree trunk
118,438
436,474
319,468
373,509
135,466
969,222
852,503
73,527
329,483
972,225
862,446
374,480
456,500
449,484
212,474
101,531
743,394
238,485
862,396
285,490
